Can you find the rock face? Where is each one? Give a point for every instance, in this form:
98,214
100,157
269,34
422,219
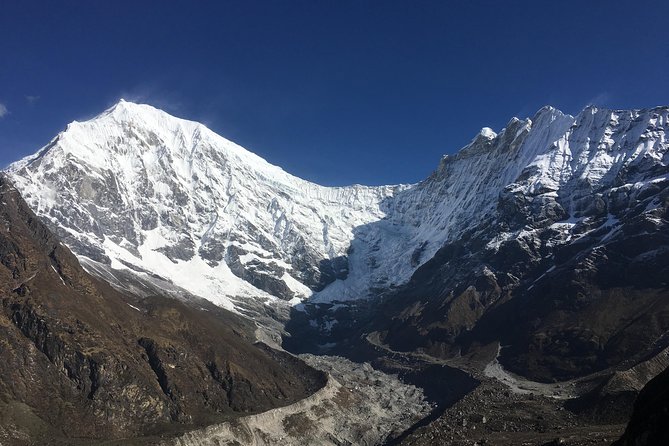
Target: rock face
556,246
649,423
568,266
80,360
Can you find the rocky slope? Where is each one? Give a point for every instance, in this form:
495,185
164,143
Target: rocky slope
565,268
648,424
565,257
80,361
568,269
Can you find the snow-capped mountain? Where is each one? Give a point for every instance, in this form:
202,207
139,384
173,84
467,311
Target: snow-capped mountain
138,189
555,166
564,260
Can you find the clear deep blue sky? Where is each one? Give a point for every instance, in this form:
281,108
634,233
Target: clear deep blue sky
337,92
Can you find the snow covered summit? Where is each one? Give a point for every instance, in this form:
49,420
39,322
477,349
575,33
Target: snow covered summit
137,188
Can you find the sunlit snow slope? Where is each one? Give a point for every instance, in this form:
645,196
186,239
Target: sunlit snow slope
138,189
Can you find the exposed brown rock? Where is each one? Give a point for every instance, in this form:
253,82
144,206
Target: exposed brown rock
80,360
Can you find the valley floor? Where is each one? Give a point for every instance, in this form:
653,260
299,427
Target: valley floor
494,415
359,405
502,410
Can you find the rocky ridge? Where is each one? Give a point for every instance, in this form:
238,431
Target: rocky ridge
569,269
81,362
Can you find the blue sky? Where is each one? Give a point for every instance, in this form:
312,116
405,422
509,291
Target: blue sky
336,92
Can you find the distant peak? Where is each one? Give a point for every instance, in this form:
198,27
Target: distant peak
125,110
547,109
488,133
482,141
515,122
592,109
118,107
485,135
547,114
122,103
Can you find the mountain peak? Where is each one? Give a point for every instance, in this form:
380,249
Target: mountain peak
177,197
487,133
124,110
547,114
119,106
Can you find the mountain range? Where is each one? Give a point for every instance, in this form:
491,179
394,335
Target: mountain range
543,248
